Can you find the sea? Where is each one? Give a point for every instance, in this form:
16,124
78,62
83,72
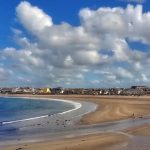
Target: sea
27,119
12,109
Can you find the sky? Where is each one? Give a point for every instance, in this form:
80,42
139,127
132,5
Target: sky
74,43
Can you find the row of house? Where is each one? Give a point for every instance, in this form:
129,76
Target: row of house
134,90
29,90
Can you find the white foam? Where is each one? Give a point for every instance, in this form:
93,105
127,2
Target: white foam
22,120
76,105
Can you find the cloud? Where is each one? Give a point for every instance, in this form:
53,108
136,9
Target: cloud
33,18
95,52
134,1
4,75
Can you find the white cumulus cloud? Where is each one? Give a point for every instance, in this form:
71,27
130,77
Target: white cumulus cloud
95,52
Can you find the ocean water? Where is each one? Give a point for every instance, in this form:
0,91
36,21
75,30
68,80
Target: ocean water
12,109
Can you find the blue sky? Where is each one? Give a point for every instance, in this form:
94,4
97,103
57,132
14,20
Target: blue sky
74,43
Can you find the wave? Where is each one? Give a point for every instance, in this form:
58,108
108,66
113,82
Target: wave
77,106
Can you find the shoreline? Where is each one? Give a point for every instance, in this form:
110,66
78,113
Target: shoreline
68,119
111,109
115,106
76,105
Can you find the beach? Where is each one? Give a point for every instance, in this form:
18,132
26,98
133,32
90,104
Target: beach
110,108
102,141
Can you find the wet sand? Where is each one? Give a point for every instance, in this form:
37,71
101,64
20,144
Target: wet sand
95,142
110,108
143,130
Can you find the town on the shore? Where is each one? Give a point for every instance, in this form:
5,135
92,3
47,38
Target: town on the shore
132,91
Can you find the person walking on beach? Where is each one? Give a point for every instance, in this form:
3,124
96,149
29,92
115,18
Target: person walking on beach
133,116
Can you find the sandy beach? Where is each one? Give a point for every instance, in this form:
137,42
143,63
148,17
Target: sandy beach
101,141
110,108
